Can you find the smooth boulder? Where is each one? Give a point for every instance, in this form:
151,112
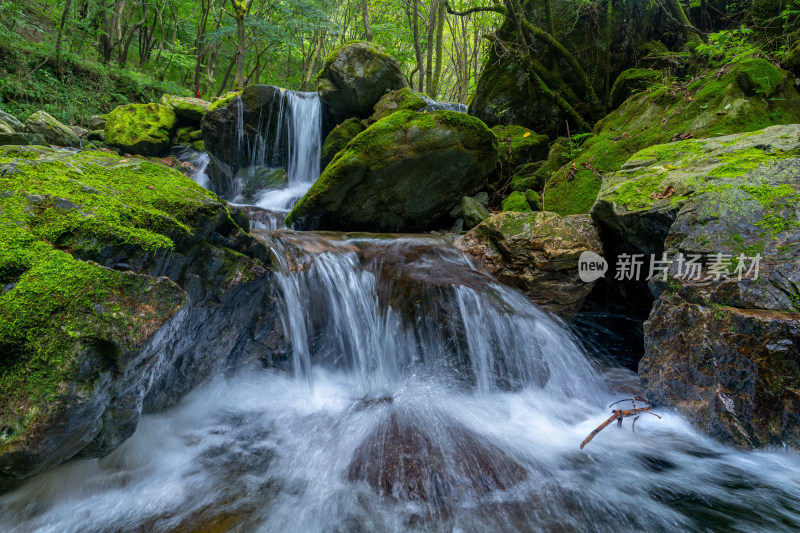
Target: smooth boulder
355,77
404,173
53,131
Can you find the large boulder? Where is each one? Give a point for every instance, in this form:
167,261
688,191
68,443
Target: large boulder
748,95
720,346
405,99
537,253
404,173
145,129
355,77
122,284
53,131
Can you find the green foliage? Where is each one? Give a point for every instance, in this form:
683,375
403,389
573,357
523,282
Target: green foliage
728,46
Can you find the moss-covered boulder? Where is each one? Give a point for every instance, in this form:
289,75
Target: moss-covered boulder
405,99
53,131
187,107
404,173
224,100
537,253
338,138
632,81
21,139
534,175
188,135
5,129
145,129
745,96
355,77
517,202
519,145
720,341
114,278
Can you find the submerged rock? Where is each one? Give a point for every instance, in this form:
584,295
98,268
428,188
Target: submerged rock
144,129
53,131
722,347
409,457
404,173
536,253
123,284
355,77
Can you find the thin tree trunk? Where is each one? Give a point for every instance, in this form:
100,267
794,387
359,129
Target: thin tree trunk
365,15
429,50
59,65
418,46
437,74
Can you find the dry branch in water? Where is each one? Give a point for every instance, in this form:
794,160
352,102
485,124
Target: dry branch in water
619,414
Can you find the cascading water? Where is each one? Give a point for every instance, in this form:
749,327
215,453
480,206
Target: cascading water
292,142
419,396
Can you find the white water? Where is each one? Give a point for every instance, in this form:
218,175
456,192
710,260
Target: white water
300,115
273,450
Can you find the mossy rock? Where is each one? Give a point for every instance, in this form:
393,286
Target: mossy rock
338,138
632,81
53,131
71,329
749,95
405,99
516,201
145,129
519,145
12,122
355,77
187,107
403,173
254,179
224,100
187,135
473,212
199,146
534,175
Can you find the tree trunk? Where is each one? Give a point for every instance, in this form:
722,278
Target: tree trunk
437,74
365,15
59,65
429,50
418,46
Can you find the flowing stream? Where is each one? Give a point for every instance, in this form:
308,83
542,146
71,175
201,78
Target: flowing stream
419,395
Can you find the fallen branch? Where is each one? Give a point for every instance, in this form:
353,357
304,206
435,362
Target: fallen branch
619,414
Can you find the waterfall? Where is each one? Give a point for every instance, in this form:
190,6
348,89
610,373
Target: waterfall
419,395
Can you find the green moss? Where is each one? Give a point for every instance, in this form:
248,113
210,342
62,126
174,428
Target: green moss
224,100
338,138
743,97
519,145
199,146
516,201
140,127
58,206
632,81
404,99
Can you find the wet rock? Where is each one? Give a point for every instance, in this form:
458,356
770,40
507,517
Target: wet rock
537,253
404,173
440,462
145,129
53,131
255,179
720,333
355,77
734,373
256,115
193,299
